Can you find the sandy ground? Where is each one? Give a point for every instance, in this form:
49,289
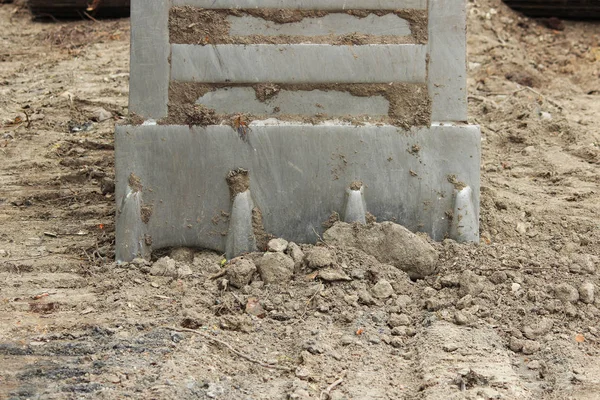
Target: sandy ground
512,318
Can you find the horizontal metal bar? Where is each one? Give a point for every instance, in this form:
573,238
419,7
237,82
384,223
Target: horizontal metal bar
308,4
299,63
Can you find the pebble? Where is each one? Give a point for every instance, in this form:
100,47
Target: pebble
586,292
396,342
332,275
535,365
294,251
570,310
434,304
398,320
566,293
470,283
364,297
464,302
319,257
374,340
347,340
399,331
530,347
538,330
516,344
451,280
100,115
403,301
275,268
382,289
498,277
429,292
302,373
450,347
515,287
277,245
240,272
461,318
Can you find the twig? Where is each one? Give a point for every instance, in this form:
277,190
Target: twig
555,104
90,17
218,274
231,348
310,301
320,238
38,257
331,387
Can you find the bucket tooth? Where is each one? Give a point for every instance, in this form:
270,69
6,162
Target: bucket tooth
356,209
131,234
240,236
465,222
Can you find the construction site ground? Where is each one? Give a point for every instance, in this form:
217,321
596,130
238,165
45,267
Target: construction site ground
515,317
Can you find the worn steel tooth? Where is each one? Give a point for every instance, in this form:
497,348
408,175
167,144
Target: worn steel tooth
356,208
465,221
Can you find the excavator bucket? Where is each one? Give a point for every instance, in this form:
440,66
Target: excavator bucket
273,118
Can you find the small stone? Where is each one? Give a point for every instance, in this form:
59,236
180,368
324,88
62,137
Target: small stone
570,310
184,270
464,302
240,272
364,297
403,301
100,115
275,268
357,273
347,340
498,277
113,378
399,331
566,293
516,344
586,292
382,289
319,257
527,151
470,283
398,320
538,330
521,228
461,318
534,365
452,280
515,287
429,292
530,347
450,347
374,339
277,245
434,304
139,262
396,342
253,307
332,275
294,251
302,373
